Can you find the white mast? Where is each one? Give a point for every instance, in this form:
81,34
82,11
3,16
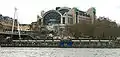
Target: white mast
14,20
16,17
18,26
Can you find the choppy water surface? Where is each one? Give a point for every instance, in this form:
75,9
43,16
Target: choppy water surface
58,52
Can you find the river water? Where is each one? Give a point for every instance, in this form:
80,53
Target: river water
58,52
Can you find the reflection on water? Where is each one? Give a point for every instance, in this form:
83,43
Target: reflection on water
58,52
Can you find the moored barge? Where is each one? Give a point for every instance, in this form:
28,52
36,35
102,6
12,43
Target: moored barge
28,41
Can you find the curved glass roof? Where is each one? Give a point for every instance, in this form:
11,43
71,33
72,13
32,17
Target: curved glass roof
51,17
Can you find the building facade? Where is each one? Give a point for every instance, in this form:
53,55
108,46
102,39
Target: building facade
62,16
24,27
6,23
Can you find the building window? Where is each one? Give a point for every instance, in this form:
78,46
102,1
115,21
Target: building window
63,20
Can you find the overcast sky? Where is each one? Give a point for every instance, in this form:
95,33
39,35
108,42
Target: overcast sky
28,9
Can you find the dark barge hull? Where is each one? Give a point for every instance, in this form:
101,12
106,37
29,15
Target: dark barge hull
60,43
57,44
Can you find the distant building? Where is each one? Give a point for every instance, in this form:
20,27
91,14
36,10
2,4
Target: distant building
39,21
33,26
107,21
57,19
6,23
24,27
92,12
63,16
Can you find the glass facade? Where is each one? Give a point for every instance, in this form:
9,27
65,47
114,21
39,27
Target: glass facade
51,17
